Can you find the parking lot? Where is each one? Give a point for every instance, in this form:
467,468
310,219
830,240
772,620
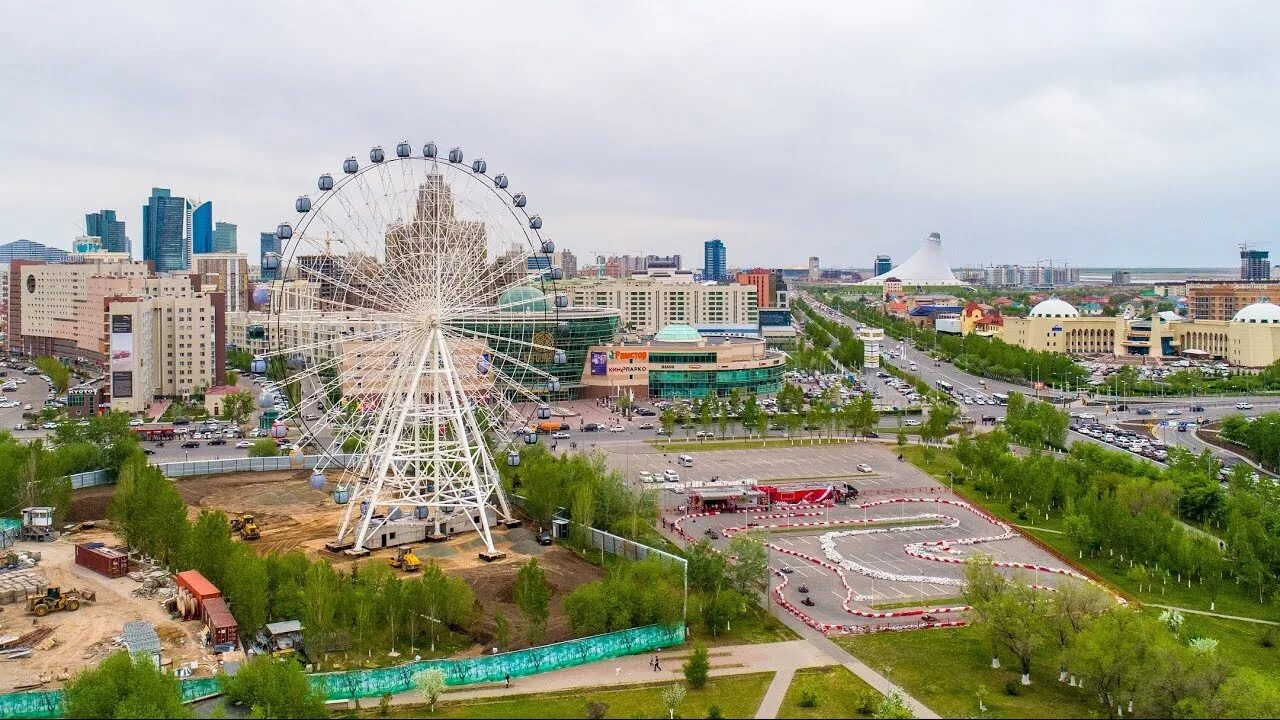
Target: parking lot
886,540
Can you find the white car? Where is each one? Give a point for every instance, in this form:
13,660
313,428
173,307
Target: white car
244,444
136,422
27,406
1244,406
912,423
560,435
864,468
646,476
311,416
670,475
617,428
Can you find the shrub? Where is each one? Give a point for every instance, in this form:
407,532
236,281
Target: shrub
867,702
1268,638
596,709
697,667
808,699
713,713
1011,688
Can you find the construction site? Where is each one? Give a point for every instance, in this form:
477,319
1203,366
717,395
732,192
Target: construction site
84,561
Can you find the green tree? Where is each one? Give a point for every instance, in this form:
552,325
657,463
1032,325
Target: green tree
321,594
246,584
1111,654
237,407
209,545
749,571
668,421
893,706
672,696
272,688
264,447
533,598
124,686
697,666
59,374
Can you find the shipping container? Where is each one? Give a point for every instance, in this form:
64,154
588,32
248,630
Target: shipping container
101,559
193,591
222,626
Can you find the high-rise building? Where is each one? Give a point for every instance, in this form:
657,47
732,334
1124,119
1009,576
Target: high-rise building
1121,277
227,273
1222,299
765,282
1255,264
224,237
815,273
269,244
164,238
201,232
566,261
883,265
713,260
103,224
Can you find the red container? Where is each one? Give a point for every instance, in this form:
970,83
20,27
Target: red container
102,559
222,626
193,592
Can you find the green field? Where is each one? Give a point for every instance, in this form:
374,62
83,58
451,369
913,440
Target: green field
1112,569
944,669
1237,643
757,625
839,694
736,696
931,602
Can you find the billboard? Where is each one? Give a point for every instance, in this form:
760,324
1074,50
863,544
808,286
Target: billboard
629,355
121,342
121,384
599,362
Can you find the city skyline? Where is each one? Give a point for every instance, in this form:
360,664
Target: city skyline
1047,149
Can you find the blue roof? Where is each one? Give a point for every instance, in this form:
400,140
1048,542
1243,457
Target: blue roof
931,310
677,333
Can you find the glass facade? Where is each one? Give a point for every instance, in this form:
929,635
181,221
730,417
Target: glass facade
714,261
698,383
268,243
659,358
164,242
583,331
224,237
202,227
103,224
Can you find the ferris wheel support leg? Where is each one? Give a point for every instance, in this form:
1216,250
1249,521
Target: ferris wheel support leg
384,463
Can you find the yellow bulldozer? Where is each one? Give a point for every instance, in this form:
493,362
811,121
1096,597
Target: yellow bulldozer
55,599
247,526
406,560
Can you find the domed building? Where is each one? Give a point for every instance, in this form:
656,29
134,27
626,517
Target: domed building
1054,308
1262,313
680,362
523,299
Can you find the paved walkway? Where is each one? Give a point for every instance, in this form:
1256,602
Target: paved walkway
779,657
1260,621
777,691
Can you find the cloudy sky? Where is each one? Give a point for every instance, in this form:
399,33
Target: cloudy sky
1139,134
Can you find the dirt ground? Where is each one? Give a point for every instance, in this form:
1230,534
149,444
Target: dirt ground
83,638
293,516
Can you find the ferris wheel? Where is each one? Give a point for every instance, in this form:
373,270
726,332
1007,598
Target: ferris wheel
413,326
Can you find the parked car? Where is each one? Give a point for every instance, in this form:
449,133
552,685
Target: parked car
617,429
1244,406
191,444
560,435
218,441
244,444
544,538
864,468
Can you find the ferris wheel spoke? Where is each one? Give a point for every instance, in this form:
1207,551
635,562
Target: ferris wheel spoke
463,332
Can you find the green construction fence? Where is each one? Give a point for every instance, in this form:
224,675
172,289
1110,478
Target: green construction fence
351,684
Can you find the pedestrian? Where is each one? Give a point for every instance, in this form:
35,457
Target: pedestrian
506,676
657,666
617,671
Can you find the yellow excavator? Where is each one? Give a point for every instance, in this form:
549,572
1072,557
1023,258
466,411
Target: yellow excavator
247,526
54,600
406,560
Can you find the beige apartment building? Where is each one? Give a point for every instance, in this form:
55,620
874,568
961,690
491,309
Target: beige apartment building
227,273
164,347
1221,300
650,304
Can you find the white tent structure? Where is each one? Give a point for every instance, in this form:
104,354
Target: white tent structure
926,267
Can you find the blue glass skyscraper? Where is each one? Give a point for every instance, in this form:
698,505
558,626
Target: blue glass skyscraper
103,224
714,265
270,244
202,227
224,237
164,241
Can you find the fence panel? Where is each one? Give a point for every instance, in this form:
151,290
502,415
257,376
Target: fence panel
374,683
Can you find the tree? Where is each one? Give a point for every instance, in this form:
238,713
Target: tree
533,597
893,706
1110,655
1015,619
668,421
149,512
58,373
939,422
124,686
430,683
264,447
748,573
501,630
707,567
1075,604
697,666
272,688
720,608
321,589
246,585
237,407
209,545
672,696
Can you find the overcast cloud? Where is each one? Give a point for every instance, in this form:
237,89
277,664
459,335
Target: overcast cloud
1136,134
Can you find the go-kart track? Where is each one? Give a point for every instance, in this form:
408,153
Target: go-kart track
903,540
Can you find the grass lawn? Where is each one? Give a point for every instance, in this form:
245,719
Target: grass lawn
1231,600
757,625
1237,643
840,694
736,695
944,669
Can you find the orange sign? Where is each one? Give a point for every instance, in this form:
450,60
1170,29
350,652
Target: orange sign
641,355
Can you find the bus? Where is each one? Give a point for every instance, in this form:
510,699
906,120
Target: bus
946,387
1001,398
